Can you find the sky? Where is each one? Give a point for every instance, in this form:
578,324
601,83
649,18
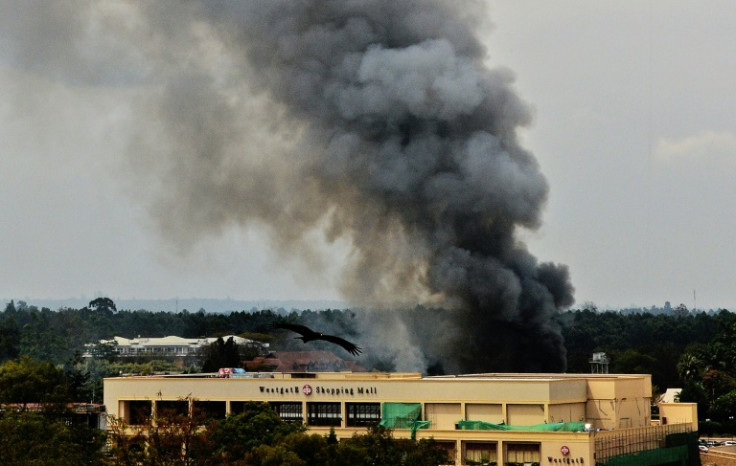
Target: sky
634,128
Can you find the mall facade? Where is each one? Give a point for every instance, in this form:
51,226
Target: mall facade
534,419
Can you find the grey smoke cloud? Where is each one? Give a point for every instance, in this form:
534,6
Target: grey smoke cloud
375,122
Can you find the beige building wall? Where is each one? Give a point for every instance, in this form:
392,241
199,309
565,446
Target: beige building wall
678,413
443,416
567,412
618,401
492,413
525,414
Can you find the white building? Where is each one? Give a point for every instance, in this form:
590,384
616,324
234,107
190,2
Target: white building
170,346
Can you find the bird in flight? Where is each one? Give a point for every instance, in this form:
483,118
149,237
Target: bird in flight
308,335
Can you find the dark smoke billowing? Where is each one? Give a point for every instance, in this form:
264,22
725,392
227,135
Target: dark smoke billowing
376,122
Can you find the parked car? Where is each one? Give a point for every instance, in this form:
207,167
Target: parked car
703,448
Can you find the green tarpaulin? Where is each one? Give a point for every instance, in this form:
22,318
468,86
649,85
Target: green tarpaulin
403,416
557,426
660,456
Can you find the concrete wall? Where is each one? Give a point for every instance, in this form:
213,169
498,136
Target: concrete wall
568,412
678,413
443,415
492,413
524,415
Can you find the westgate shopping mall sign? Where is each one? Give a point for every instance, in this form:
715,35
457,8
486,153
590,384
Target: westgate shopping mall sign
317,390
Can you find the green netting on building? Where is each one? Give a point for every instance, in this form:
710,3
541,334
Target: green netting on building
690,441
403,416
659,457
680,449
554,427
400,415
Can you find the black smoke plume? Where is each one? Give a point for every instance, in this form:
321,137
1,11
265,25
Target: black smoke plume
375,122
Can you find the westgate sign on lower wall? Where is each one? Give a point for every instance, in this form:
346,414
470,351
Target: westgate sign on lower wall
319,390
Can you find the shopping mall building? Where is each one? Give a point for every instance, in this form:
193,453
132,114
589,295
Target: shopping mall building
543,419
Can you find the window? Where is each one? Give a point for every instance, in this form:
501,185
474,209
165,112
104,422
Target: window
363,414
480,453
289,411
206,410
138,412
172,410
522,453
324,414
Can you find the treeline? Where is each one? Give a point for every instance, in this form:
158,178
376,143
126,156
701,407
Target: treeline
639,342
60,336
635,342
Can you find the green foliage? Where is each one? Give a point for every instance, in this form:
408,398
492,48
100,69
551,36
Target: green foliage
726,404
221,354
638,342
105,305
708,374
258,437
36,425
9,336
31,438
257,424
689,367
632,361
28,381
267,455
382,449
58,336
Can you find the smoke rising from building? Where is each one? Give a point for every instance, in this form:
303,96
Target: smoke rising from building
374,122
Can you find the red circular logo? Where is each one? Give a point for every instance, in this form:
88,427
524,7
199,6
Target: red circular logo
307,389
564,450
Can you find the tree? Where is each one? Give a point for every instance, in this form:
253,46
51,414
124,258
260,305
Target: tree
9,337
221,353
105,305
31,438
632,361
27,381
258,437
681,311
49,433
383,450
689,367
127,446
255,425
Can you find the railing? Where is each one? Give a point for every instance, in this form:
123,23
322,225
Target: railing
612,443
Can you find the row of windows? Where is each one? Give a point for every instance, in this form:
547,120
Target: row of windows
158,349
487,452
318,414
329,414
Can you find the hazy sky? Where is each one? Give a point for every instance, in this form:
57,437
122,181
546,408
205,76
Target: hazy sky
634,128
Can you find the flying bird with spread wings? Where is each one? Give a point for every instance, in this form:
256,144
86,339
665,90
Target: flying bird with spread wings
308,335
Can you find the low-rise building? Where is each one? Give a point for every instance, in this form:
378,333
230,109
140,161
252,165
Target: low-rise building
479,418
172,347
